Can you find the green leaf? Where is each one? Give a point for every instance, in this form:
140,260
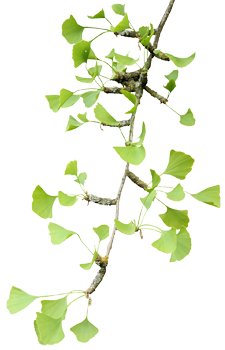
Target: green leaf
81,178
173,75
91,55
155,181
50,329
124,24
83,118
132,98
127,61
183,245
177,194
144,32
54,308
90,97
53,101
128,229
42,203
118,67
103,116
119,9
92,71
66,200
210,195
19,300
72,124
141,137
84,331
102,231
71,168
175,218
188,118
67,98
167,243
100,14
81,52
131,154
180,164
111,54
89,265
146,41
72,31
147,201
85,80
170,85
58,233
38,334
181,62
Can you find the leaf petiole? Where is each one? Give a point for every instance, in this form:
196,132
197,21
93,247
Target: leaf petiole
81,296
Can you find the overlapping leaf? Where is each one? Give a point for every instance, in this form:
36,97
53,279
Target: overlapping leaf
147,201
103,116
183,245
124,24
54,308
90,98
81,178
175,218
50,329
72,124
131,98
167,243
89,265
127,61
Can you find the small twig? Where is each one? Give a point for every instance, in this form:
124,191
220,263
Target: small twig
156,95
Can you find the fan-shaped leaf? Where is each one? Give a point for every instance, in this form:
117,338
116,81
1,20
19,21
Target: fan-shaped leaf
127,61
42,203
119,9
71,168
100,14
84,80
66,200
124,24
90,98
181,62
38,333
81,52
111,54
141,137
170,85
132,98
183,245
180,164
81,178
19,300
50,329
89,265
72,31
102,231
83,117
72,124
173,75
54,308
58,233
128,229
84,331
177,194
92,71
175,218
167,243
131,154
67,98
210,195
144,32
53,101
188,118
147,201
103,116
155,181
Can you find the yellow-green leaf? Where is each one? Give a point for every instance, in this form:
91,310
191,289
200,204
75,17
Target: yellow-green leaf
131,154
183,245
175,218
181,62
210,195
66,200
19,300
167,243
177,194
71,168
103,116
42,203
124,24
84,331
54,308
59,234
72,31
72,124
188,118
180,164
119,9
128,229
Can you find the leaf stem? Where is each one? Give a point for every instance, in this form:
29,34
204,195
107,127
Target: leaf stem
152,229
140,215
108,21
81,296
151,226
107,64
172,109
99,28
53,295
98,35
85,244
161,202
122,133
85,89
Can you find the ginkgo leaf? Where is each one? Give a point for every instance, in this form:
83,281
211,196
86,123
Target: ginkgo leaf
111,54
100,14
210,195
84,331
132,98
53,101
147,201
84,80
89,265
143,32
81,178
54,308
67,98
177,194
156,179
50,329
19,300
66,200
92,70
128,229
188,118
183,245
102,231
141,137
81,52
90,98
103,116
117,67
71,168
58,233
127,61
72,31
173,75
119,9
83,117
167,243
145,40
170,85
131,154
72,124
42,203
181,62
38,333
175,218
180,164
124,24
